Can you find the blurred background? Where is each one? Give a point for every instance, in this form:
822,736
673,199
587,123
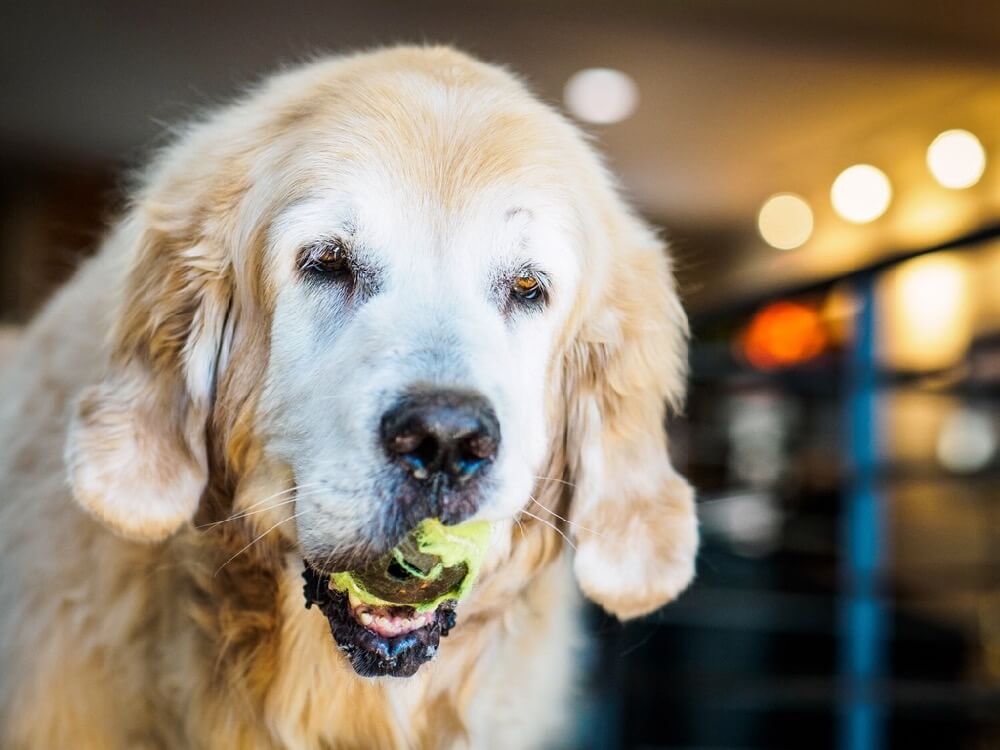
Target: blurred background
829,176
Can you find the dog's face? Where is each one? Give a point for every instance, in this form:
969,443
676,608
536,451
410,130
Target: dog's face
389,288
410,351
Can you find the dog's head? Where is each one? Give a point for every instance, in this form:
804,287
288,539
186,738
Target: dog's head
390,287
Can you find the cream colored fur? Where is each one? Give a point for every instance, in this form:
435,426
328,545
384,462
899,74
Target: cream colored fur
132,615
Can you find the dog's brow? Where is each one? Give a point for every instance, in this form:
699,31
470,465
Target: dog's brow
513,213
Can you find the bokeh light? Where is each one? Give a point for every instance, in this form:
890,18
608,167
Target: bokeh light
601,95
784,334
785,221
928,308
956,159
967,441
861,193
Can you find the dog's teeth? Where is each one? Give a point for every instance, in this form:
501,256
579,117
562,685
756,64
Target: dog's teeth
353,599
387,624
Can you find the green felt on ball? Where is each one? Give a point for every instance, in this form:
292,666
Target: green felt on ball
433,564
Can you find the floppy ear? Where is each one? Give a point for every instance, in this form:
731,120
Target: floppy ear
136,450
629,361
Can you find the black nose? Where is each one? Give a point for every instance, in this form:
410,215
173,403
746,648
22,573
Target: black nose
441,433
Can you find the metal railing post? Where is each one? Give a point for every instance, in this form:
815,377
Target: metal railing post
863,623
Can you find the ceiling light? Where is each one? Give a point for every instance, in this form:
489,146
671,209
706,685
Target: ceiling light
956,159
601,95
785,221
861,193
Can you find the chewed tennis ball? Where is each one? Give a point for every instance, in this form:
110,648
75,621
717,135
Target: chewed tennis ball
433,564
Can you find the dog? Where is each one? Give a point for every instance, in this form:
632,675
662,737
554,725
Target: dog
211,407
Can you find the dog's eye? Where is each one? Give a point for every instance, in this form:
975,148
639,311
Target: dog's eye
527,288
328,258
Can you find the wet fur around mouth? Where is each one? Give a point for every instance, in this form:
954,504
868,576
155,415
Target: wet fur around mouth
370,654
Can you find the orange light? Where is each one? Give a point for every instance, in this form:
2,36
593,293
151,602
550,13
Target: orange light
784,334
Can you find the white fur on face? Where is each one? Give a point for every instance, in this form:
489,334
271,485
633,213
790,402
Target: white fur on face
431,310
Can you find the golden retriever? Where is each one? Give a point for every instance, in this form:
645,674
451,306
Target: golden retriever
401,229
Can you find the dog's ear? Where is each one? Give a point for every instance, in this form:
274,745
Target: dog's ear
633,514
136,449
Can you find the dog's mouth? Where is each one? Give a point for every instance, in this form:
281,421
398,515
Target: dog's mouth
388,615
379,640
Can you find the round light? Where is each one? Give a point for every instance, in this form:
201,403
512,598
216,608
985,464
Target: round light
785,221
928,314
861,193
783,334
967,441
601,95
956,159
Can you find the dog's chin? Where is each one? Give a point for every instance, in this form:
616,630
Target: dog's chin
379,642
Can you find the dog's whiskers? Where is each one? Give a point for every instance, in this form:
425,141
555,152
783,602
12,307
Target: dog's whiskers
550,525
574,524
250,512
254,541
286,491
519,525
299,496
244,514
238,516
555,479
